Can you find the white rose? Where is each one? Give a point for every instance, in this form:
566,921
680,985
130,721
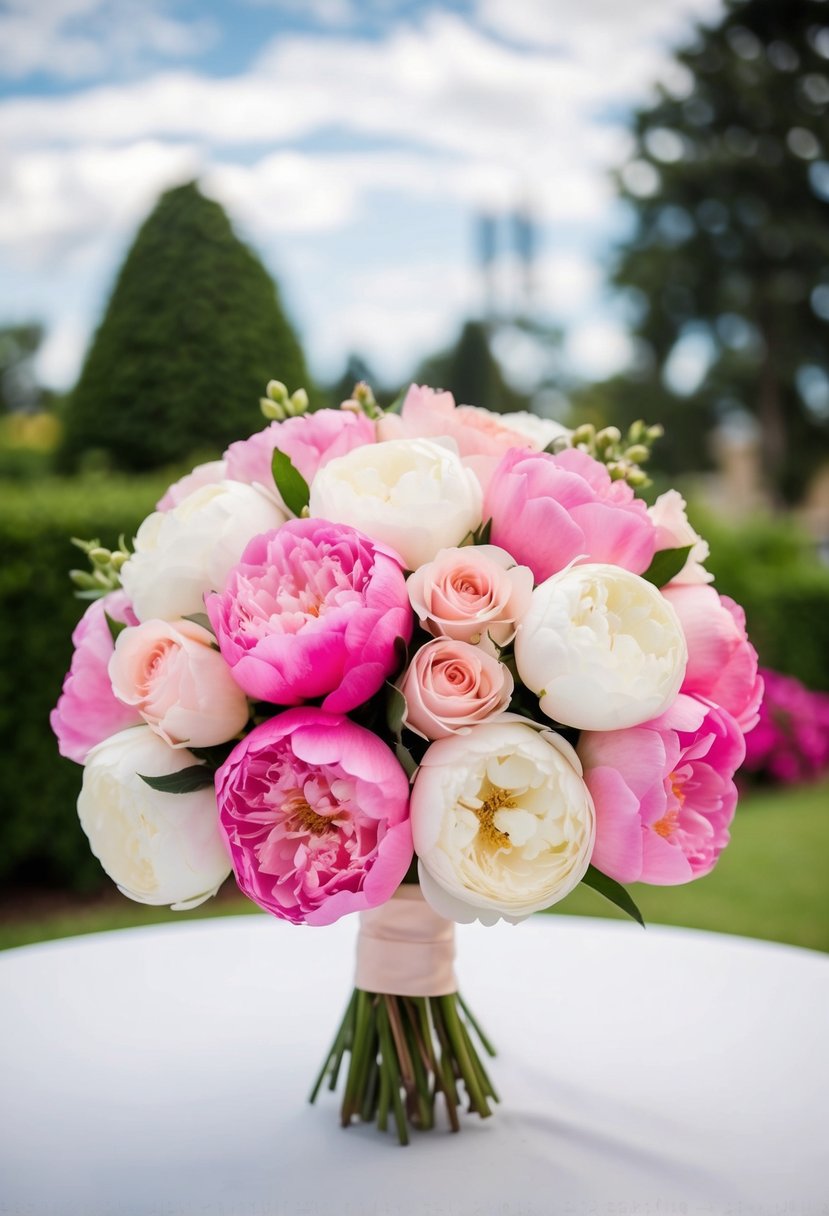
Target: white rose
191,548
673,531
158,848
411,494
503,823
601,647
536,430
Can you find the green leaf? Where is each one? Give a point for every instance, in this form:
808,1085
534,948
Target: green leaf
201,618
614,891
397,405
115,627
407,760
481,537
289,481
666,565
185,781
395,710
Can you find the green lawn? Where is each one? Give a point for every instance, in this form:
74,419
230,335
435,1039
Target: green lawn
772,882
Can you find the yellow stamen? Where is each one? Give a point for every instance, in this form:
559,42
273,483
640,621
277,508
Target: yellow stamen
303,819
667,825
499,800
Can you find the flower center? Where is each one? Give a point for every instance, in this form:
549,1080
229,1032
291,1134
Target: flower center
499,800
302,818
676,787
668,824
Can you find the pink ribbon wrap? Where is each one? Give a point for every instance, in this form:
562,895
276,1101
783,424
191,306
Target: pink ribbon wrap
405,949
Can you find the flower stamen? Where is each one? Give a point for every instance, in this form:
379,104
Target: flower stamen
302,818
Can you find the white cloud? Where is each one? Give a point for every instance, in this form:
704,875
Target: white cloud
55,202
59,358
44,35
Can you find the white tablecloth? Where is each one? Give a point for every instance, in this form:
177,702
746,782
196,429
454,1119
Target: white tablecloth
165,1071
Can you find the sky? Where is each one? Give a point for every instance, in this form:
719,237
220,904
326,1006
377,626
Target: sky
354,143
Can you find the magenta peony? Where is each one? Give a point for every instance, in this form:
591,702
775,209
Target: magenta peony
548,511
664,793
310,441
722,663
315,810
88,711
313,609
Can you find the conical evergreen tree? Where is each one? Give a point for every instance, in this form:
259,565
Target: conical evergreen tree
192,333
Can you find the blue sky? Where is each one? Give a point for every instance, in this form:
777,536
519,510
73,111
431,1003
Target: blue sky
353,143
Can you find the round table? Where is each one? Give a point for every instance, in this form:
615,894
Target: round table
162,1071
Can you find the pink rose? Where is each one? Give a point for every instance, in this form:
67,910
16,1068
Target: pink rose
310,440
722,663
178,682
673,531
471,592
548,511
664,792
88,711
315,810
202,475
313,609
450,685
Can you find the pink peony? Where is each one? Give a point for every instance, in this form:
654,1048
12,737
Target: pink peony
171,672
202,475
310,441
471,592
450,685
313,609
315,810
722,663
664,793
548,511
88,711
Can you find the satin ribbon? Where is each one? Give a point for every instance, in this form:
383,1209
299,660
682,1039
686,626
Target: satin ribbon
405,949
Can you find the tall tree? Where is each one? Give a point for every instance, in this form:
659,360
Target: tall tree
729,187
191,335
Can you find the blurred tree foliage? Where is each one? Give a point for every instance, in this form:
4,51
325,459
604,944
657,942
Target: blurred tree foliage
470,371
192,333
729,188
18,385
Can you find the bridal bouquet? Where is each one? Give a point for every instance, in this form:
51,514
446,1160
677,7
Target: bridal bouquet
428,664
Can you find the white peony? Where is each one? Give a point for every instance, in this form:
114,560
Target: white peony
158,848
413,495
191,548
601,647
673,531
503,823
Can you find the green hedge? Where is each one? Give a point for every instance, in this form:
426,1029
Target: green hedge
768,568
40,838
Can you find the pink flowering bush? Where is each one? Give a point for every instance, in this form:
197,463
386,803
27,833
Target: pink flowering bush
88,711
664,792
315,811
790,742
548,511
313,609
